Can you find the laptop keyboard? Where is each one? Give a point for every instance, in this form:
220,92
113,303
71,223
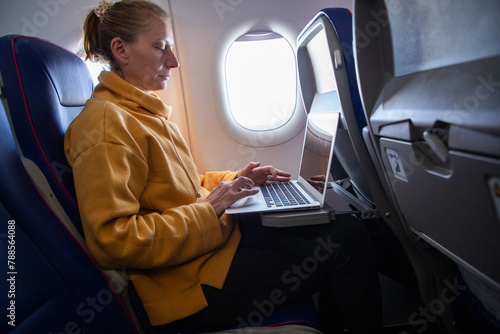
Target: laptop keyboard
282,194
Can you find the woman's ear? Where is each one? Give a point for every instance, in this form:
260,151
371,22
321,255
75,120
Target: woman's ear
119,50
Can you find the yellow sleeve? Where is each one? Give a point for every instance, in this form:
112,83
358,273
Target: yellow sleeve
210,180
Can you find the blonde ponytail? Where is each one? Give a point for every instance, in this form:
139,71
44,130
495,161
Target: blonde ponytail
91,41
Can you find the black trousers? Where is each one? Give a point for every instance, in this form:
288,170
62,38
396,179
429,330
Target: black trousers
276,266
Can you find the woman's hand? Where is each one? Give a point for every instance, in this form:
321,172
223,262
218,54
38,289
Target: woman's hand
260,175
226,193
317,181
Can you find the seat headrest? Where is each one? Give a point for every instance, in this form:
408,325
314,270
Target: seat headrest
65,70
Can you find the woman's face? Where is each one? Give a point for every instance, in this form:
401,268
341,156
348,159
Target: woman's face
150,59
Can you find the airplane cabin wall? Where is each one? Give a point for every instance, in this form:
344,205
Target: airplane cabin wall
197,26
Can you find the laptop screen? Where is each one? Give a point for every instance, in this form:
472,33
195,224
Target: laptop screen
317,152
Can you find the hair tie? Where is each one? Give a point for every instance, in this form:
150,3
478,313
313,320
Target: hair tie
102,8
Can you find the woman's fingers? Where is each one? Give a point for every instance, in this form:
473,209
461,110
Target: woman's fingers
227,193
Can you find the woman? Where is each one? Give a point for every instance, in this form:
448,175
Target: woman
145,208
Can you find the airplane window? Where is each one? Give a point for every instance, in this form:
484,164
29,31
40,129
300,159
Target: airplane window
261,81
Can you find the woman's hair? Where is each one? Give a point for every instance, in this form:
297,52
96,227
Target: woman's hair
124,19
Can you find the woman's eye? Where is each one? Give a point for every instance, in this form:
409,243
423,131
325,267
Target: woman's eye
164,48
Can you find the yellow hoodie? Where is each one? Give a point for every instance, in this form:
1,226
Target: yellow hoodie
141,200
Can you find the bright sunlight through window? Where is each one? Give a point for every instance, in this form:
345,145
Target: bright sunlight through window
261,81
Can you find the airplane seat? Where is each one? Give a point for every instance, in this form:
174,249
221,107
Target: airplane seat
354,120
45,88
429,87
328,83
52,284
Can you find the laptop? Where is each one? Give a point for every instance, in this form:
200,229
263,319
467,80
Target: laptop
309,190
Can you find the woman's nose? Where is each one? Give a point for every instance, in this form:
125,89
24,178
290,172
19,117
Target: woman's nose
171,60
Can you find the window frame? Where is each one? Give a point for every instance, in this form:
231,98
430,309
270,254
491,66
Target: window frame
256,138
